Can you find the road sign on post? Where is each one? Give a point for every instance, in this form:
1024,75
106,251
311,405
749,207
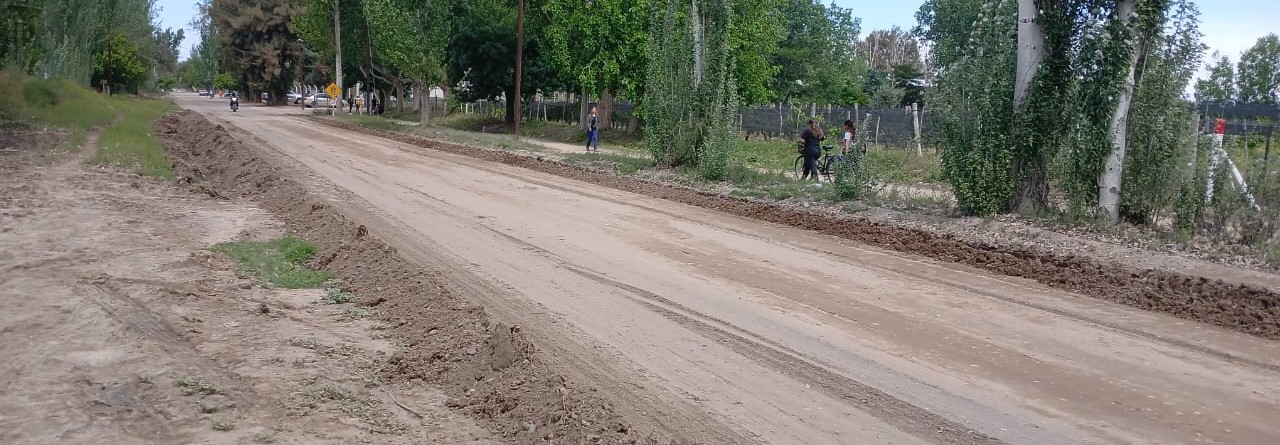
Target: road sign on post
333,91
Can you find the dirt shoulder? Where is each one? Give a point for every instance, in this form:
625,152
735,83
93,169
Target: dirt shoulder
489,371
1242,300
122,327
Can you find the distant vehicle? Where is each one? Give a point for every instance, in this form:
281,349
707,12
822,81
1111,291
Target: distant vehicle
204,93
294,97
320,100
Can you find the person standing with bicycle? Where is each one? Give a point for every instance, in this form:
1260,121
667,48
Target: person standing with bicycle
811,148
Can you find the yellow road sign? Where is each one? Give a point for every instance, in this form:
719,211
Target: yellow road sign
332,90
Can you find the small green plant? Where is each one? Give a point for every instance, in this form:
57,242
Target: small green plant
279,262
356,313
191,385
338,296
220,424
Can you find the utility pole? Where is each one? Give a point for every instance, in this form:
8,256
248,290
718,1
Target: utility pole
337,50
519,60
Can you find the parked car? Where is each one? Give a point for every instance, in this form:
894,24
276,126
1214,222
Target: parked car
204,92
320,100
293,97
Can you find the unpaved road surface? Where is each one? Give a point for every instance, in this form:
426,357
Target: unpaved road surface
119,326
722,329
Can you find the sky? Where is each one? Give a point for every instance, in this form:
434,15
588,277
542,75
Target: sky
1229,26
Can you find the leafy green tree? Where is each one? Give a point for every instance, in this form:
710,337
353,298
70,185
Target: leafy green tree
1220,86
1159,132
948,24
598,45
19,35
691,96
482,48
257,42
421,57
908,78
118,64
754,36
1259,72
815,56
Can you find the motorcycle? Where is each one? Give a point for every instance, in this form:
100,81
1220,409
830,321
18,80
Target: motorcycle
235,104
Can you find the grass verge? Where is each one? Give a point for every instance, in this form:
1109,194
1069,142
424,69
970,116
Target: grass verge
279,261
130,143
128,140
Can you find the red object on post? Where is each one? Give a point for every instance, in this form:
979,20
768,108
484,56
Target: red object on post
1220,126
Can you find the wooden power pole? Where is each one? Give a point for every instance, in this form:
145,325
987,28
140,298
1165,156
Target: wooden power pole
337,50
519,60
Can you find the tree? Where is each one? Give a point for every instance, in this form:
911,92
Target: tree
1158,131
600,46
949,24
1259,72
118,64
816,55
886,49
1220,87
756,30
691,96
1133,30
256,41
908,78
19,35
481,49
167,48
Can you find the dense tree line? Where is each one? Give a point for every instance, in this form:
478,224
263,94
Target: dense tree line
115,43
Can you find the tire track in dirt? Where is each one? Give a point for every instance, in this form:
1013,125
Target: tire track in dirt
899,413
1244,308
491,371
954,283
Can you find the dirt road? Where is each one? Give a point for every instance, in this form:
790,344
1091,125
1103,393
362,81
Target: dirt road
724,329
120,326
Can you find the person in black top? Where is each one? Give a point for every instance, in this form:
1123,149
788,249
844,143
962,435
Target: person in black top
811,138
593,132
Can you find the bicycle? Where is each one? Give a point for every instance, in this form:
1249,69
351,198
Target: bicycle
826,163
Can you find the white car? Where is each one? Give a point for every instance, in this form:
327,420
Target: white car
320,100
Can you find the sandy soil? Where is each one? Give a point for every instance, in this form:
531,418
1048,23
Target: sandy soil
121,327
537,301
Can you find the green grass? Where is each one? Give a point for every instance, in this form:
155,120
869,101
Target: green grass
772,155
130,143
128,139
59,103
279,262
623,164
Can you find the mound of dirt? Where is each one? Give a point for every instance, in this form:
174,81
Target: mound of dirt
1244,308
490,371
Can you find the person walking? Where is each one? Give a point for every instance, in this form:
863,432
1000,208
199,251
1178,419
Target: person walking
593,132
811,148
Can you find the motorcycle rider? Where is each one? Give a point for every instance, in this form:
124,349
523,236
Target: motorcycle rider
235,101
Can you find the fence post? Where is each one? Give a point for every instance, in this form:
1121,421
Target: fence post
915,121
877,138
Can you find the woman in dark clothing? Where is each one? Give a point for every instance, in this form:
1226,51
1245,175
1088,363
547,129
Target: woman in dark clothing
811,138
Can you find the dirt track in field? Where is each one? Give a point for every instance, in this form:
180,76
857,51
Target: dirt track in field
639,315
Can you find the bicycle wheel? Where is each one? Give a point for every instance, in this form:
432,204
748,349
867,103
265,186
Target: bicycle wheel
828,167
800,167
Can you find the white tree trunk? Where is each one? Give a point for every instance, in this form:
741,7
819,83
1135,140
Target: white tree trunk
1030,51
1109,181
